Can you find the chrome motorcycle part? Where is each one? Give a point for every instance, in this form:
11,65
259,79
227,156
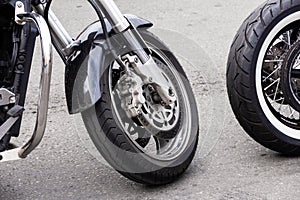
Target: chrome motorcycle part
19,9
153,112
150,73
130,93
60,36
137,45
43,98
68,50
167,111
281,114
10,155
116,19
6,97
290,77
143,98
113,14
121,25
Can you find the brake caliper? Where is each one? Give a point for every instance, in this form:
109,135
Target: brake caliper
131,94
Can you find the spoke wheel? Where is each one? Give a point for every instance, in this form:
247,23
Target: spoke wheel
272,80
291,77
262,76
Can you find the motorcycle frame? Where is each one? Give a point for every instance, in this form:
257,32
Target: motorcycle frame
54,33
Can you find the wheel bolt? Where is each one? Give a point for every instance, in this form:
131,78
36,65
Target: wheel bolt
150,88
171,92
19,4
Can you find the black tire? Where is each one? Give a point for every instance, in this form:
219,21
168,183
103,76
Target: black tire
117,147
243,69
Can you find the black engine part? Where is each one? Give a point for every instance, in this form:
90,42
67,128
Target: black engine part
6,44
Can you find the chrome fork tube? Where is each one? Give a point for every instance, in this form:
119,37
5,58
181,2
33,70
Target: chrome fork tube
60,36
43,99
121,25
113,14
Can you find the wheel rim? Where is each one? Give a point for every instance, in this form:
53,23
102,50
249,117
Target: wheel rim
281,115
150,145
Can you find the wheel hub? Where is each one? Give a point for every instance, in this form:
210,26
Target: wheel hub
156,116
151,104
290,76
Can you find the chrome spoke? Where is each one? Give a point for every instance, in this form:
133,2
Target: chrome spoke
277,100
276,81
272,73
289,38
277,87
268,77
273,61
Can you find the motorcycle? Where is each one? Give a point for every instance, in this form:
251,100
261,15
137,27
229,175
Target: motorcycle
132,93
263,76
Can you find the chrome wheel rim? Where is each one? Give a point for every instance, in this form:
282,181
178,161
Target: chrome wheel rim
268,79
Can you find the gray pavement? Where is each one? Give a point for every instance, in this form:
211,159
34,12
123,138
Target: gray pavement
63,167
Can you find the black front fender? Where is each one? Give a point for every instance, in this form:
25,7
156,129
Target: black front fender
88,61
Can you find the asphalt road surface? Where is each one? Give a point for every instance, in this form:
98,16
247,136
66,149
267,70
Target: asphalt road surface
228,164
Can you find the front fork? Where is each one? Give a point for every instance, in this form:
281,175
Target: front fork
121,26
119,23
147,68
63,40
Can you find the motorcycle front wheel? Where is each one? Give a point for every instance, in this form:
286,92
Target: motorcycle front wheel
262,80
132,149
